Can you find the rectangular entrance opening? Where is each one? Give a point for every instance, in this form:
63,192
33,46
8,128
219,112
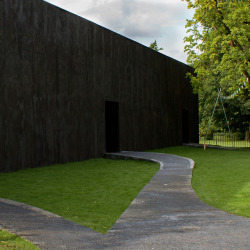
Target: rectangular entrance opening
185,126
112,127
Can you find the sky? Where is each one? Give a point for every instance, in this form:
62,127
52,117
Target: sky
143,21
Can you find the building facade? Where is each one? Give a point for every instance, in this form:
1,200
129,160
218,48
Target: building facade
71,90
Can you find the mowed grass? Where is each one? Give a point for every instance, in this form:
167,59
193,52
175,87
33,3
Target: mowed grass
221,178
93,193
11,241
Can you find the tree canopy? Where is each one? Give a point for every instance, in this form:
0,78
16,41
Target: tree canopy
237,110
218,44
154,46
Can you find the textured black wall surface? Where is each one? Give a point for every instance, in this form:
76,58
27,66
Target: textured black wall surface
56,72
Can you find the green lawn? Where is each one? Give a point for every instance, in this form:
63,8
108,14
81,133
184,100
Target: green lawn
92,193
221,178
95,193
11,241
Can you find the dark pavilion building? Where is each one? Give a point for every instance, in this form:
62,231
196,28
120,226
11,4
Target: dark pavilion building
71,90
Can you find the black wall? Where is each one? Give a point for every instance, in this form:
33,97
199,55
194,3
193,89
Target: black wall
57,70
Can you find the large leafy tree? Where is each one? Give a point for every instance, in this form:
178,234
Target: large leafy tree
218,44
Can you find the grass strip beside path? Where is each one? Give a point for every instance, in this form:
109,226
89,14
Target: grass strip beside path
93,193
221,178
11,241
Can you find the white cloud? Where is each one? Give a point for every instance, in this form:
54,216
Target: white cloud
141,20
135,18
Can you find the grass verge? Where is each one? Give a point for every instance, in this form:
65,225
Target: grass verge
11,241
221,178
93,193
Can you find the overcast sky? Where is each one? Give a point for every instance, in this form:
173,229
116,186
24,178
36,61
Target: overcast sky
141,20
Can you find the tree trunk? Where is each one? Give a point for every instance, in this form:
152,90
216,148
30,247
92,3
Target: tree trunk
247,135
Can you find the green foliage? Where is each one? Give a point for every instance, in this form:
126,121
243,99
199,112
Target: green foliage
93,193
237,111
11,241
218,49
238,114
220,177
218,44
154,46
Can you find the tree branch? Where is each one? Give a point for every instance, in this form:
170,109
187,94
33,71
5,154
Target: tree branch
234,43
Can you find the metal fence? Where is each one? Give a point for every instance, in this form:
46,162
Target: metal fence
225,140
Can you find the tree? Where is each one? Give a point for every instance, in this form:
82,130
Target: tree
237,110
218,46
154,46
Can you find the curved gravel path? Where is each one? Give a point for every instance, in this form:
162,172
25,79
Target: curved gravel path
166,214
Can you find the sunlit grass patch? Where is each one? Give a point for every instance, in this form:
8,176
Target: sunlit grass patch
11,241
221,178
93,193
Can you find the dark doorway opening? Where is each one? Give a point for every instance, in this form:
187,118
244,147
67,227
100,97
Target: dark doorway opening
112,126
185,126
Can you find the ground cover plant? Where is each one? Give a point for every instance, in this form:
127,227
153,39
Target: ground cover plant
93,193
221,178
11,241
